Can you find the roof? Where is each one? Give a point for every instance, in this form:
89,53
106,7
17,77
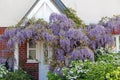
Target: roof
58,3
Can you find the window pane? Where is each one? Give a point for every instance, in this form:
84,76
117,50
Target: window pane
114,45
31,44
115,41
119,42
32,54
45,49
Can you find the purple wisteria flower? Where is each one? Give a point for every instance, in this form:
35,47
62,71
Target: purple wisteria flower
60,54
48,37
10,61
38,26
82,54
60,22
99,37
97,31
55,28
77,37
112,24
11,43
65,44
66,40
2,60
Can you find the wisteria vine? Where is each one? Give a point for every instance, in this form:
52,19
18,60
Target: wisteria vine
67,41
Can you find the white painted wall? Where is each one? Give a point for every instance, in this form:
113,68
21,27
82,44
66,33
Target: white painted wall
90,11
43,9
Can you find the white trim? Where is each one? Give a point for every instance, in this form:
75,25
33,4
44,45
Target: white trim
16,56
41,59
54,9
44,10
117,43
32,61
29,60
43,3
35,9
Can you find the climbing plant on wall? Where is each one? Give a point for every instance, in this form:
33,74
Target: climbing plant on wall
60,33
71,13
111,23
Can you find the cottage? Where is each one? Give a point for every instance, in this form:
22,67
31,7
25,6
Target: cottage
116,46
34,58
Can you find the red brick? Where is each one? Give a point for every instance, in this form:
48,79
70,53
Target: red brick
3,45
31,68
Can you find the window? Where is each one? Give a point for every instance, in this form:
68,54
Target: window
119,43
31,52
45,51
116,46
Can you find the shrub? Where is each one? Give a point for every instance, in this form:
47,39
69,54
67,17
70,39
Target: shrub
103,54
87,70
105,67
18,75
3,71
52,76
114,75
107,56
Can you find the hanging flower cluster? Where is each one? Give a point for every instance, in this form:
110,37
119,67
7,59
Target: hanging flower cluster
19,35
112,24
66,40
99,36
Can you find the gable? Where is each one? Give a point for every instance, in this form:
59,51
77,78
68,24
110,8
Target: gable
43,9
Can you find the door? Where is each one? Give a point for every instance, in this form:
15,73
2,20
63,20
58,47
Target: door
44,57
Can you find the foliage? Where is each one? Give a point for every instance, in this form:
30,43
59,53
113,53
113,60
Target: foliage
3,70
5,66
99,36
52,76
79,70
75,71
103,54
17,75
60,33
107,56
70,13
105,67
99,70
112,24
116,59
87,70
114,75
8,63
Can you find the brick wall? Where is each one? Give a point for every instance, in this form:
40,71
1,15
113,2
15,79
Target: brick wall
3,47
114,32
31,68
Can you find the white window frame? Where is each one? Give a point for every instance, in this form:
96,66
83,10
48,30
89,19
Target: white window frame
28,49
117,43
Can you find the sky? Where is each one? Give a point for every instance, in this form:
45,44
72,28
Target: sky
91,11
